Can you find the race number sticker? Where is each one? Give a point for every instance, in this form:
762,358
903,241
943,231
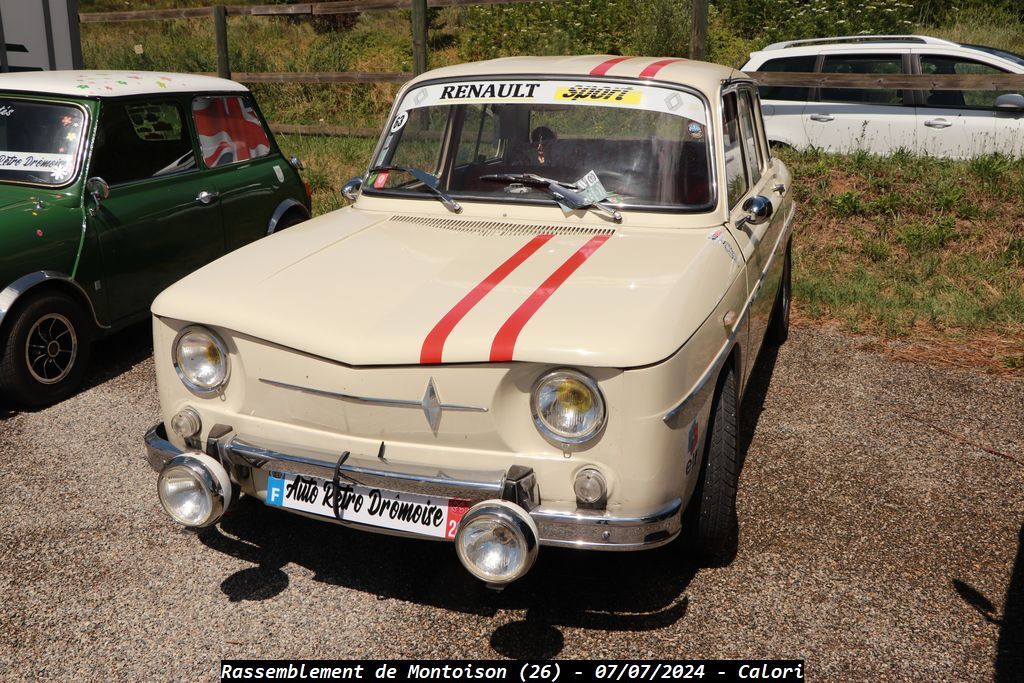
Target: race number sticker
400,122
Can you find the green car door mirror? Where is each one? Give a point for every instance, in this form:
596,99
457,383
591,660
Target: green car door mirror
97,188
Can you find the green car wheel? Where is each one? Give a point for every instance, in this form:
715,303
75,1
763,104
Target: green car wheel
46,351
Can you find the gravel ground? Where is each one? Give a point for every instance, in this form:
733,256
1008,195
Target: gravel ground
881,538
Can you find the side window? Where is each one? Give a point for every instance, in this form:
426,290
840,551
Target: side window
862,64
229,130
479,139
140,140
735,172
787,92
973,99
751,148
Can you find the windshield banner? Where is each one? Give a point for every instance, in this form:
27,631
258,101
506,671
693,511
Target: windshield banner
590,93
57,165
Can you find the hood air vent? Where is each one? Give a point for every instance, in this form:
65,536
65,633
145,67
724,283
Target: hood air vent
499,229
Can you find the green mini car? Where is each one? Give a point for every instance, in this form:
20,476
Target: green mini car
113,185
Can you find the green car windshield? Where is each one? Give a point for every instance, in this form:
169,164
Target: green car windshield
39,141
492,140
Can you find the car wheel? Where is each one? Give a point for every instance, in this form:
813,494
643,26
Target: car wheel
288,221
46,352
778,328
710,525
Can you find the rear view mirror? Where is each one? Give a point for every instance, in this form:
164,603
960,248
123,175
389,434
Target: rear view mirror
99,190
1010,102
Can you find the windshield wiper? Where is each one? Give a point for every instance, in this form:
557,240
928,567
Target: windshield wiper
569,194
429,181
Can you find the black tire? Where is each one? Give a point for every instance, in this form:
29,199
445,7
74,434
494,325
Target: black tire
46,351
710,524
778,327
288,220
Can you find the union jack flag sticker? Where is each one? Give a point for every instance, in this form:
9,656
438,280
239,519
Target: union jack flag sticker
228,130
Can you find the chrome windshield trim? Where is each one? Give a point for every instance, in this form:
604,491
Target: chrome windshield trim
369,400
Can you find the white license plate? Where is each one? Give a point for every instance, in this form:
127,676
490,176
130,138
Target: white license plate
424,515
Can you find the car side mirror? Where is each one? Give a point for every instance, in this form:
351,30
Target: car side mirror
297,163
350,190
758,209
98,189
1010,102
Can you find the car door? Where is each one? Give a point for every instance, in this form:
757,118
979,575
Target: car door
850,119
250,176
959,123
154,226
749,174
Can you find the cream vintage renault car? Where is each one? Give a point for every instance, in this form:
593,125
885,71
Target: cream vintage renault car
532,327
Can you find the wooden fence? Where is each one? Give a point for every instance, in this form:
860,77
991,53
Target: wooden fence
220,13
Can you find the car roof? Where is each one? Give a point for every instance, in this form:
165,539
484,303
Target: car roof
703,76
93,83
863,40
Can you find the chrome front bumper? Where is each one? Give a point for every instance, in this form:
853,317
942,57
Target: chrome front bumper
583,529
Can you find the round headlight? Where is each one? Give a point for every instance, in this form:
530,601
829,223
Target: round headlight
568,408
201,359
194,489
497,541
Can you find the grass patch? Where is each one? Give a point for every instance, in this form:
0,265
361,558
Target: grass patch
905,250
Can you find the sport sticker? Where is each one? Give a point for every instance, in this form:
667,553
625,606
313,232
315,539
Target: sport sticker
623,94
716,236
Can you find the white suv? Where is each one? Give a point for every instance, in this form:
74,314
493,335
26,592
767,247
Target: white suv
947,123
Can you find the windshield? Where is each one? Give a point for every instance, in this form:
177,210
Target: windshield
39,141
647,145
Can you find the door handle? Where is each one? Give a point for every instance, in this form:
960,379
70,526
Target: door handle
205,197
823,118
937,123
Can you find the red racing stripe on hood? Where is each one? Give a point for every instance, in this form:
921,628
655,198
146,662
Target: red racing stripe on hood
652,69
433,345
602,68
505,341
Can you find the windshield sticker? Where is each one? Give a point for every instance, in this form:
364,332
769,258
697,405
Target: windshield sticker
381,180
695,130
489,91
591,188
400,121
6,110
565,93
17,161
600,93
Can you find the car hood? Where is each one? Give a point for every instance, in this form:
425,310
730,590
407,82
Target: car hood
366,288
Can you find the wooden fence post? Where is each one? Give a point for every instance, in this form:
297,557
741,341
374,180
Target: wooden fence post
419,36
220,30
699,30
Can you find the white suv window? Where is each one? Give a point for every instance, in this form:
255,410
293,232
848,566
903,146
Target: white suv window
862,64
802,64
971,99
